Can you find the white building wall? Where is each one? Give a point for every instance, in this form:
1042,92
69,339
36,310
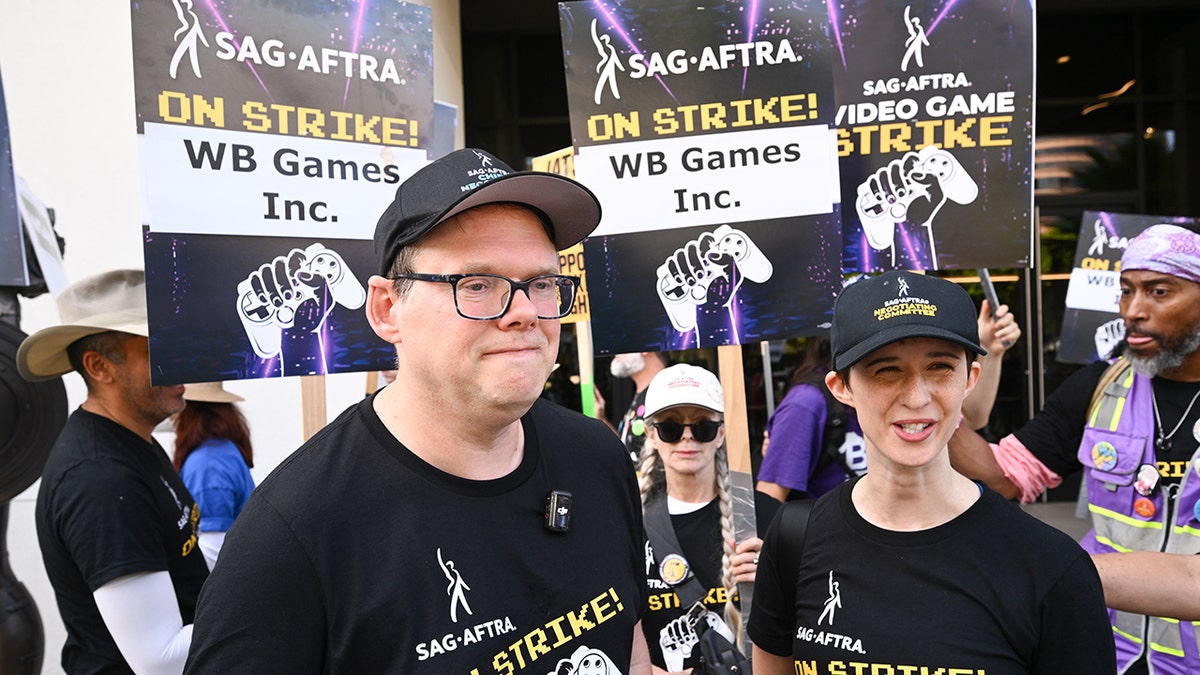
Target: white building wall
68,85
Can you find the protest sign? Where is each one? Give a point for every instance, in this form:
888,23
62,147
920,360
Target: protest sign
570,261
13,269
935,133
271,138
1092,323
705,130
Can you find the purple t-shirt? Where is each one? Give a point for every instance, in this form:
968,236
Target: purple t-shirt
796,428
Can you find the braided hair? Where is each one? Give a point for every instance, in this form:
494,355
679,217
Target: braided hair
652,480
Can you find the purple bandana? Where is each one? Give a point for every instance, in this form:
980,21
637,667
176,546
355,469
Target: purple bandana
1169,249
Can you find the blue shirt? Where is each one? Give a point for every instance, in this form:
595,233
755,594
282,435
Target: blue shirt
217,476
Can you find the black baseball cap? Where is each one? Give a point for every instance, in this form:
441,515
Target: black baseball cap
878,311
468,178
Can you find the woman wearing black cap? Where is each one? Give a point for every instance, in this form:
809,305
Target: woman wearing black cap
914,567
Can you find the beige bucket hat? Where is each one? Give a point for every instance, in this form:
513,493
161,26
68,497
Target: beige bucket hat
209,392
110,301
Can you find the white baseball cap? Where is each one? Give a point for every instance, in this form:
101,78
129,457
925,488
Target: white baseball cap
684,384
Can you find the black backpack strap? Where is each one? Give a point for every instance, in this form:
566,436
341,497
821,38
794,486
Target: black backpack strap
663,540
833,434
792,529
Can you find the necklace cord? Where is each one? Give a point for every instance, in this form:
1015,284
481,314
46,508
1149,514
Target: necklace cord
1158,418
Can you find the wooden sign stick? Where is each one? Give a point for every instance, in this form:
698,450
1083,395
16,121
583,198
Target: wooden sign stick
737,443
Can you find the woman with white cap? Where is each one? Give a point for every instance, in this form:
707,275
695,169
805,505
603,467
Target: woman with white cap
214,456
684,481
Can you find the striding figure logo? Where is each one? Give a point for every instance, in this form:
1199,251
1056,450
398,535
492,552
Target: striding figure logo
456,589
833,602
608,65
916,40
189,36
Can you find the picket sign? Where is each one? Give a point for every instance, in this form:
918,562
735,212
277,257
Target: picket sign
312,404
737,428
737,445
587,369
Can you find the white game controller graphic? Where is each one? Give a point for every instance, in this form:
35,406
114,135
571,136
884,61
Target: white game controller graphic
586,661
679,638
912,188
269,296
686,275
1107,335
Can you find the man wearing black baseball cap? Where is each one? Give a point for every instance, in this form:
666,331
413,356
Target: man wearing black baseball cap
454,521
981,584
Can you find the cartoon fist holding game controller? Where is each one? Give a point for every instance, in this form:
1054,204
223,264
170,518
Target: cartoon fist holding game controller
911,189
1107,335
697,283
284,304
679,638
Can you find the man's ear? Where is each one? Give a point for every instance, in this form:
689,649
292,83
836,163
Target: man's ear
839,388
382,300
98,368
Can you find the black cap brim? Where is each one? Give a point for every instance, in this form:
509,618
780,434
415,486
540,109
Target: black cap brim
573,211
897,333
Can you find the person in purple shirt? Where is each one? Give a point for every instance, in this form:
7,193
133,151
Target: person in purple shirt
799,465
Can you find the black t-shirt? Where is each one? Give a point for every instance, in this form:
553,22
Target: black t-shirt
111,504
1054,434
993,590
632,427
355,556
699,535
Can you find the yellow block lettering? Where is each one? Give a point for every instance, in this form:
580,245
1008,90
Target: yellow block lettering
990,131
664,122
364,128
792,108
342,118
956,136
602,608
764,111
712,116
894,137
864,138
502,665
561,638
535,644
254,116
741,113
309,122
579,623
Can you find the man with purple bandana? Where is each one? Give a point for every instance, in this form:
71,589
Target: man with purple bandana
1138,442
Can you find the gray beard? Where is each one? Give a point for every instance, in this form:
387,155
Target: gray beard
626,365
1170,357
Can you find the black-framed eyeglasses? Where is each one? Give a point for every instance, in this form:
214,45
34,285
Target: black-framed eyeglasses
488,296
670,431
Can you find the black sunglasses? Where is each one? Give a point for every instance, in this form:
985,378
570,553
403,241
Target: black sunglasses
671,431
